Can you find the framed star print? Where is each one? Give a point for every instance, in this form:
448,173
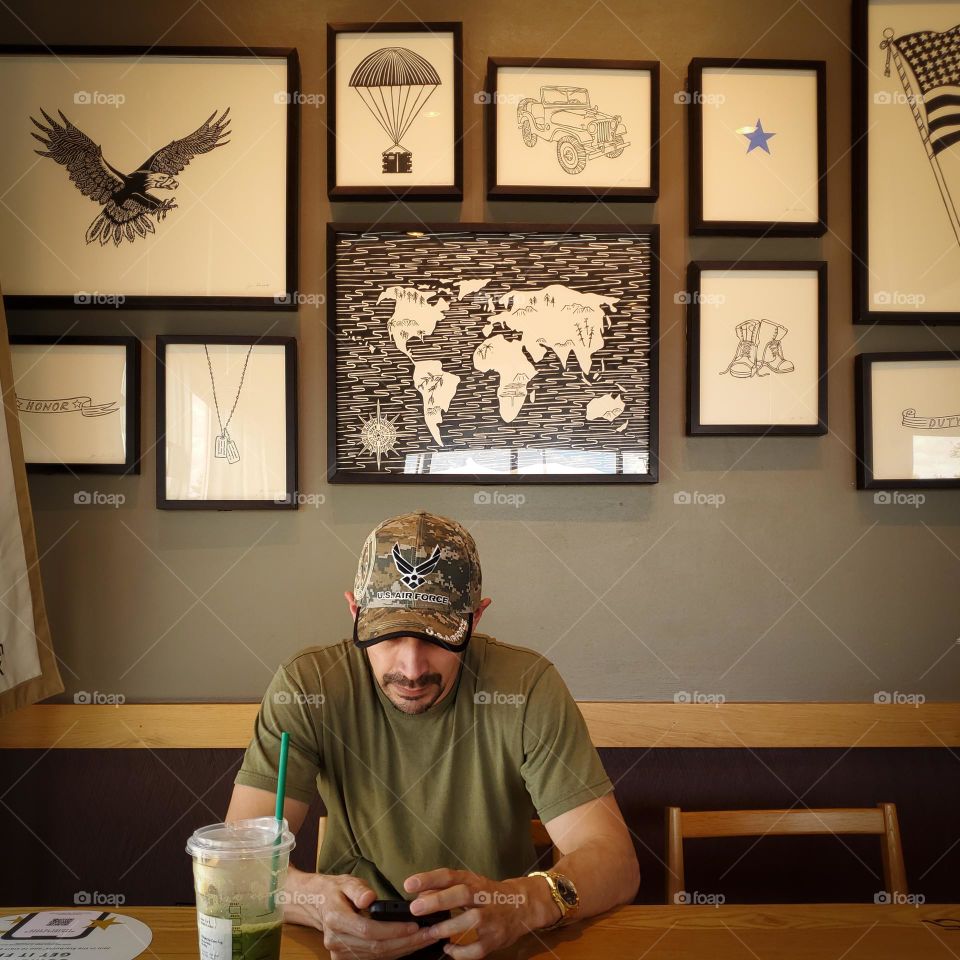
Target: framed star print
757,134
908,420
161,177
757,348
394,111
906,162
226,422
78,399
492,353
574,129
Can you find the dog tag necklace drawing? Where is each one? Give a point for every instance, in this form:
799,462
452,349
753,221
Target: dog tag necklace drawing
225,446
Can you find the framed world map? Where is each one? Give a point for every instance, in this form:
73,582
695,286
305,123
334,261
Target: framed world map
471,353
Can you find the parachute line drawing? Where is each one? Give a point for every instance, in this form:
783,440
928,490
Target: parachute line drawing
394,84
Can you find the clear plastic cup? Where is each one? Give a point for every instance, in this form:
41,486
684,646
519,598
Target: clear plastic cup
239,870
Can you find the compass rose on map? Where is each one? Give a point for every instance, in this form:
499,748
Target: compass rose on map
378,435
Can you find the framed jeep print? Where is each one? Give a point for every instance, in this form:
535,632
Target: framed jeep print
572,129
757,139
906,161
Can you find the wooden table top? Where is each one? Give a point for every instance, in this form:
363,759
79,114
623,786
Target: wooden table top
754,932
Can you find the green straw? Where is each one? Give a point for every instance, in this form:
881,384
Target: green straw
281,790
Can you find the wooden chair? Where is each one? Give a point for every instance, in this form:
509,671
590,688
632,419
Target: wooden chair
538,833
880,820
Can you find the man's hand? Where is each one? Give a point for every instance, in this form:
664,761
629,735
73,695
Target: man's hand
496,913
330,903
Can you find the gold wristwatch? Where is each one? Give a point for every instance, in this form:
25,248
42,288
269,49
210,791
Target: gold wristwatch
564,894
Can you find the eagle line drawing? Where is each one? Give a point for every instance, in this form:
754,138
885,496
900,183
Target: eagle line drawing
126,199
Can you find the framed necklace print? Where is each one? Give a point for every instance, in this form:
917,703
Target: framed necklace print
492,353
394,111
78,399
906,162
572,129
158,177
758,160
226,422
757,348
908,420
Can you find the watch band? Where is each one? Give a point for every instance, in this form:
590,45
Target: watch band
567,911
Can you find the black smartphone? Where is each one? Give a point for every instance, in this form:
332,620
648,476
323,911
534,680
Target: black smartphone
399,911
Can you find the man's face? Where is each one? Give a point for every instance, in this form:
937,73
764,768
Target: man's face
415,674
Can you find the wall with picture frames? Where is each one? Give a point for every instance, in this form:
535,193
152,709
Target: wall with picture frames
664,306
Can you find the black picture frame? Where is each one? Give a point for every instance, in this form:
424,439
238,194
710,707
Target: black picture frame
698,226
497,191
375,191
292,500
334,474
199,301
860,194
863,394
694,426
131,463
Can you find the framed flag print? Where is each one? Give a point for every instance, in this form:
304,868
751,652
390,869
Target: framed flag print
394,111
906,162
492,353
908,420
78,400
226,422
572,129
757,348
757,134
140,177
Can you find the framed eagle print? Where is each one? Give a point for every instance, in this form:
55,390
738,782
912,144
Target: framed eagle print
226,422
758,159
908,420
572,129
394,111
149,177
906,162
78,400
492,353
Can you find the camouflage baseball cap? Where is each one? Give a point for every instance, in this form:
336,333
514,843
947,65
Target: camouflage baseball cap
419,575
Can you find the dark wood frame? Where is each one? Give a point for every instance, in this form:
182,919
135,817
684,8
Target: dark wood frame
290,383
752,228
375,191
339,476
131,463
864,422
496,191
861,192
195,302
694,426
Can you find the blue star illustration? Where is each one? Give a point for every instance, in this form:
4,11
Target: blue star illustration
758,137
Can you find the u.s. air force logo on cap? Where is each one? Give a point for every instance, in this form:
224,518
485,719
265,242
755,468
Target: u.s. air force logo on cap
412,575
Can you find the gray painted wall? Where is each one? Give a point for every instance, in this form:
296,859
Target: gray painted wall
796,588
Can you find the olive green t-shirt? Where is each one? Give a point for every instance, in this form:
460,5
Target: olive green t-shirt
455,786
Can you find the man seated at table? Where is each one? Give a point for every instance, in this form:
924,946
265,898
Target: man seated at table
432,746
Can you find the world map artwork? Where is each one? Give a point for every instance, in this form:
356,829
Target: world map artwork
493,353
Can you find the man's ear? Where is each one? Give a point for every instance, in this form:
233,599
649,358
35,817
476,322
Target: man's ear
351,603
478,613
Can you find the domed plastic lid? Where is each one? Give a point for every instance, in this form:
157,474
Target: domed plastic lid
241,840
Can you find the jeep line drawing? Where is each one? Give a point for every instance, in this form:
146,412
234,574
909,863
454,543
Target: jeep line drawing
564,115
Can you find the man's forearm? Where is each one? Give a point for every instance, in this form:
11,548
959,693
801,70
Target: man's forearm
603,875
298,898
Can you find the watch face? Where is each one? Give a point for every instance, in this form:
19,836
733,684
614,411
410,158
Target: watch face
567,890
